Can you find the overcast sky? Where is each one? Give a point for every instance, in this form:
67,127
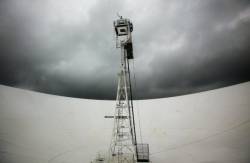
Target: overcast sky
67,47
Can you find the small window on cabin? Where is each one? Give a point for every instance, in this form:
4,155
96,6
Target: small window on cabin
123,30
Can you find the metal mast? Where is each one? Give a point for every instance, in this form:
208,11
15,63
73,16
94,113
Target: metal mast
124,147
123,144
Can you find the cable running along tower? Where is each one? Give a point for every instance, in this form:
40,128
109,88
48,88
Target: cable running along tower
124,147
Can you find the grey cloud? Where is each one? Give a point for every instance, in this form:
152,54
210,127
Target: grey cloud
212,59
180,47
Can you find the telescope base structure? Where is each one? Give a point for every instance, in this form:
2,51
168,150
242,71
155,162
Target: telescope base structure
124,158
142,152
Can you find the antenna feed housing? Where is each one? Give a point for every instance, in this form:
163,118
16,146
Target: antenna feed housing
123,29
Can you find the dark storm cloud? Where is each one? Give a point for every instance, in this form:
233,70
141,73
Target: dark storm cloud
68,48
56,57
212,50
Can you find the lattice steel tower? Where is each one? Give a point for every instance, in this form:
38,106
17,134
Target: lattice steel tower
124,137
124,147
